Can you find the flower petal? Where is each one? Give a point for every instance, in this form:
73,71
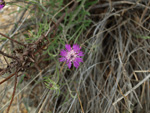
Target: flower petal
76,48
63,53
1,6
76,64
69,64
62,59
78,59
80,53
68,47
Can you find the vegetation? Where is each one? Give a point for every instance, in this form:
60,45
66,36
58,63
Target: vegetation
114,76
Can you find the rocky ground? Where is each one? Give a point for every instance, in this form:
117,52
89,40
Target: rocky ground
8,16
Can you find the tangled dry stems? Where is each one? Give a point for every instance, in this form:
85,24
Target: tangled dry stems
107,81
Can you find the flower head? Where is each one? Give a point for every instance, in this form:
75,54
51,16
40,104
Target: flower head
2,4
71,55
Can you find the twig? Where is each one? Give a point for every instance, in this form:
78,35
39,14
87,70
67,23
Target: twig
79,99
13,40
26,86
13,93
7,55
140,83
7,78
44,102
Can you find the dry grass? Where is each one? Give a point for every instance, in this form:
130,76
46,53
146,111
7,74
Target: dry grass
114,77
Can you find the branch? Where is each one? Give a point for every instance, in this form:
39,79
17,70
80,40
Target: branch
7,55
13,40
127,93
8,78
13,93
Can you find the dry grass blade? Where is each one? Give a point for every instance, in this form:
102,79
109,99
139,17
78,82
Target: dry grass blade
13,93
131,90
114,77
79,100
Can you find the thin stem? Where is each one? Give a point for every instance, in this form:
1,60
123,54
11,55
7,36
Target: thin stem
7,78
12,94
13,40
7,55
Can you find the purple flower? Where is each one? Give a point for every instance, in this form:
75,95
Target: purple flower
71,55
2,4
